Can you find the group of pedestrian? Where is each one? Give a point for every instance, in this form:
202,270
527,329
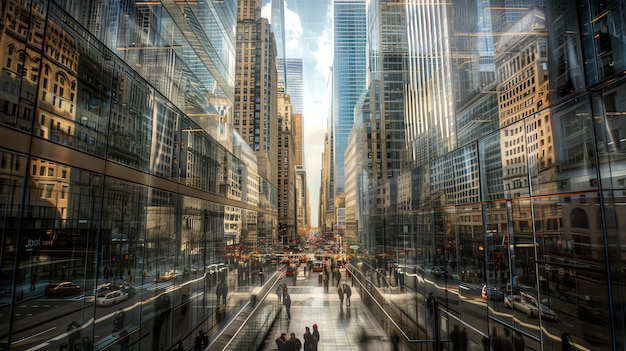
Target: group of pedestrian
311,340
344,291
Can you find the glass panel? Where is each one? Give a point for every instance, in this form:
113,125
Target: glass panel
21,44
16,282
57,260
575,155
75,96
130,130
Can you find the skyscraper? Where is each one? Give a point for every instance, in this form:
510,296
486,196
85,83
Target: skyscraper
255,116
349,76
294,80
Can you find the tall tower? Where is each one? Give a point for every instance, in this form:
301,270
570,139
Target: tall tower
286,169
294,79
278,28
349,76
255,115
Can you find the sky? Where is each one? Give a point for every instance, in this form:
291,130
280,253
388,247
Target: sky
308,36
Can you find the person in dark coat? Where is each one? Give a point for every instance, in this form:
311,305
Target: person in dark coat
310,343
340,292
287,303
294,344
316,335
348,292
281,342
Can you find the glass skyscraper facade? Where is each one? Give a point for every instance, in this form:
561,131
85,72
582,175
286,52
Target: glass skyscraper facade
120,173
349,76
505,230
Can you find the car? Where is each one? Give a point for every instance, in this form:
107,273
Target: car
492,293
111,298
439,271
529,305
318,266
103,289
62,289
167,276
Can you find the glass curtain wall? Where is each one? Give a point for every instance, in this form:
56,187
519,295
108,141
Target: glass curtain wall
115,233
511,223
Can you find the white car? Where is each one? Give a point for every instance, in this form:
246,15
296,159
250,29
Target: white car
111,298
529,305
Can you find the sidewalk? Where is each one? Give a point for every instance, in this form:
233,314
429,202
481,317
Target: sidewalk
340,327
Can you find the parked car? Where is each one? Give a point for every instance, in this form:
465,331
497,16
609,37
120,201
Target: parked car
529,305
439,271
62,289
111,298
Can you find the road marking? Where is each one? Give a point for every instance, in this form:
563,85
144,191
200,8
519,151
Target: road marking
34,335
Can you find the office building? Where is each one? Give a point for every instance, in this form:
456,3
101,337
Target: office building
120,170
349,77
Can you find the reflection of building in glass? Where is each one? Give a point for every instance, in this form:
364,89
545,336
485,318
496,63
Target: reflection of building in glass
118,166
521,61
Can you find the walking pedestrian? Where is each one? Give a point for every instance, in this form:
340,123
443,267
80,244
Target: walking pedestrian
340,292
456,338
287,303
261,274
310,343
338,277
279,293
348,292
316,335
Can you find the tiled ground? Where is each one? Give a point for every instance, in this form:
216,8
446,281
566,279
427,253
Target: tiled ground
339,326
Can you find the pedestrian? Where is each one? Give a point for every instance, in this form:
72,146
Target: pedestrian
456,338
86,346
395,341
261,274
338,277
310,343
197,344
566,342
281,342
279,293
287,303
294,344
430,304
340,292
218,292
118,320
348,292
464,340
316,335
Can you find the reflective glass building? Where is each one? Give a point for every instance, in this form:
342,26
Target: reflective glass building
349,76
506,231
122,180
